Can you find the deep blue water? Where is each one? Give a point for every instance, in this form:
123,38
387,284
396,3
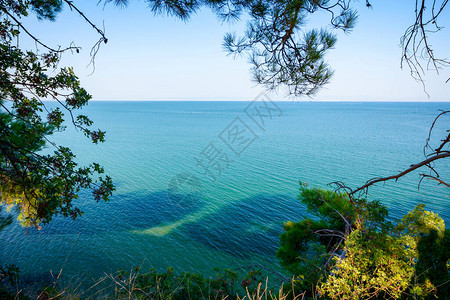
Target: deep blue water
204,184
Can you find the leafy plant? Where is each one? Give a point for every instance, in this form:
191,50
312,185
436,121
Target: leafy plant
169,285
40,186
352,251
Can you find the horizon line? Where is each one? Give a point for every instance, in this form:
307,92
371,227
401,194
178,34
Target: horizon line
249,100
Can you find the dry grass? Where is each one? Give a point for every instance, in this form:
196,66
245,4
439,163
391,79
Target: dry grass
266,294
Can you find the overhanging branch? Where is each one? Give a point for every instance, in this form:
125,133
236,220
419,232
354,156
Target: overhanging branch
409,170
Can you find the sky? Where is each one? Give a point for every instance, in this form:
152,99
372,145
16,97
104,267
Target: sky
151,57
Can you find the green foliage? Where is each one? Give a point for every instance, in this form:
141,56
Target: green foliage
9,273
40,186
46,9
328,206
375,266
433,265
9,276
431,242
301,252
169,285
418,222
351,251
306,246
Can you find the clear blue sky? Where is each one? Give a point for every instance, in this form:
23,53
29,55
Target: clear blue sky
162,58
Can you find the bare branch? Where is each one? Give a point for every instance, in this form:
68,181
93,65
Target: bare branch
440,181
403,173
72,6
417,53
35,38
436,154
427,144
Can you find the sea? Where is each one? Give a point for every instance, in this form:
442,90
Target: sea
208,184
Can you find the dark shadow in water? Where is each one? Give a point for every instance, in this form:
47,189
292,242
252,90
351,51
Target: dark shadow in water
242,228
247,226
137,210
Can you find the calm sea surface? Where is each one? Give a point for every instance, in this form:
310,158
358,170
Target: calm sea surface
208,184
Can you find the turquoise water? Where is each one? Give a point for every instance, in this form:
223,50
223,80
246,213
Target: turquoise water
204,184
